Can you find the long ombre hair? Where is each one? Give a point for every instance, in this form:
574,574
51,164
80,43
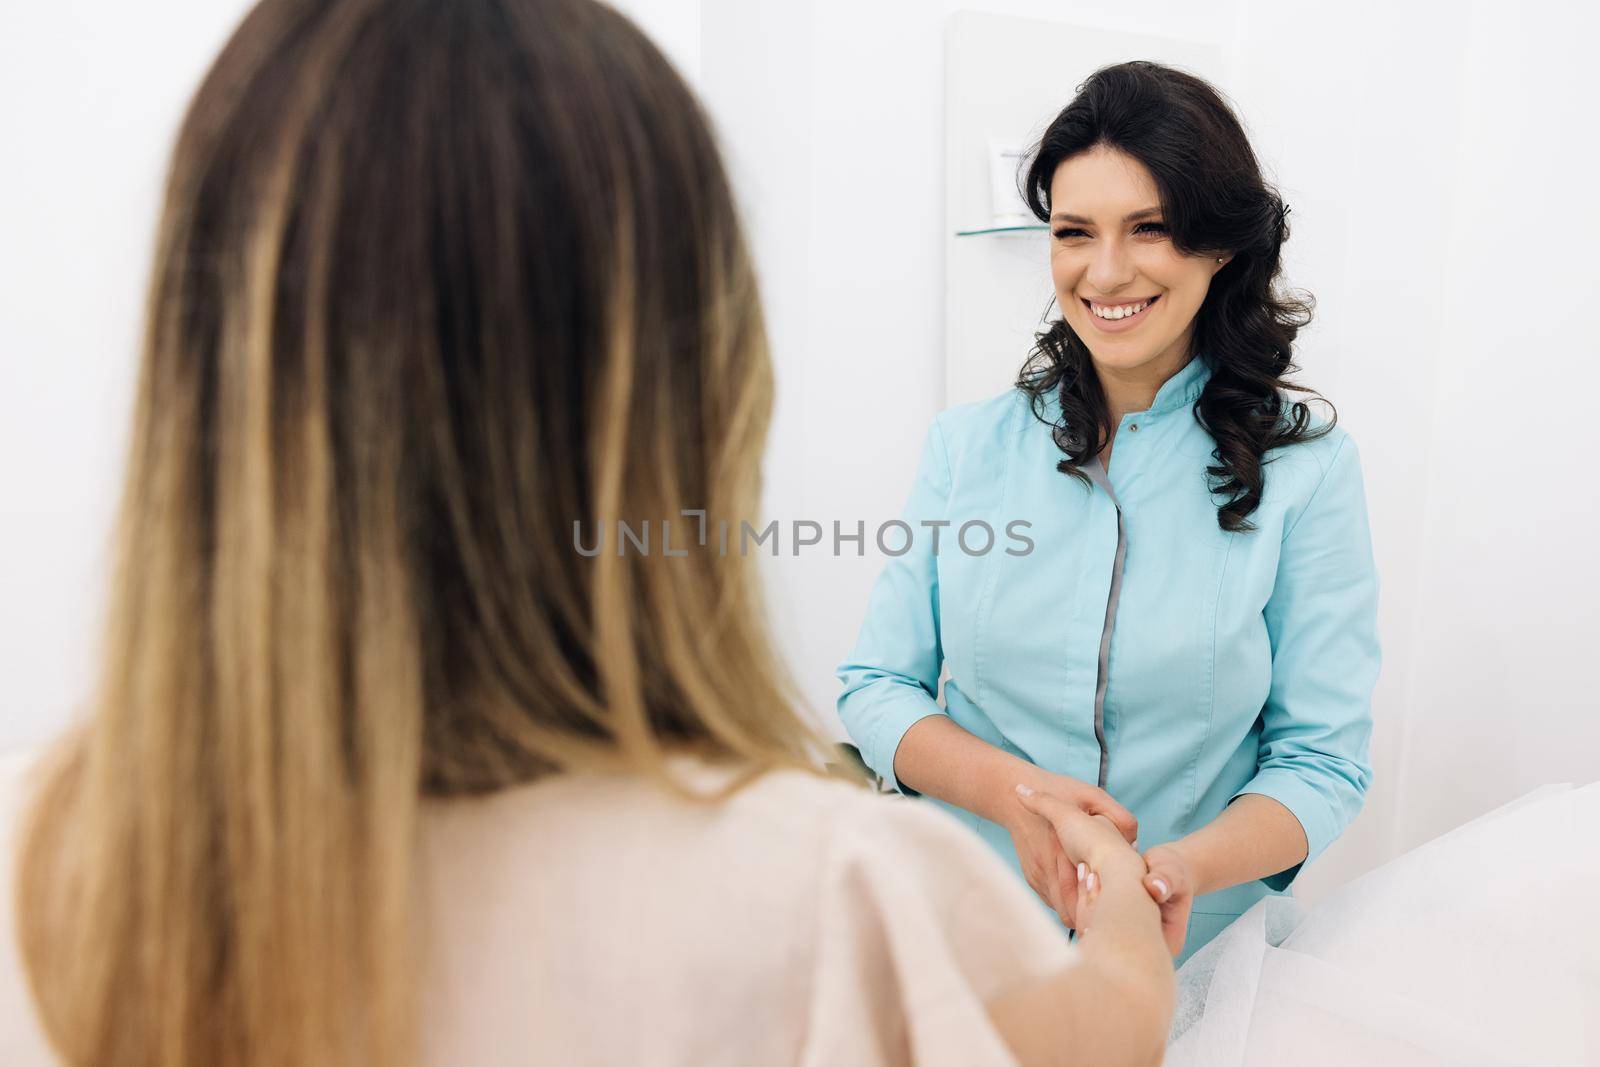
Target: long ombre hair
433,282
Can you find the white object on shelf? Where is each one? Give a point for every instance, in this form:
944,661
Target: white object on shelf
1005,175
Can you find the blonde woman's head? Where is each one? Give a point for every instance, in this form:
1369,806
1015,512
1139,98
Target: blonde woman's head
434,281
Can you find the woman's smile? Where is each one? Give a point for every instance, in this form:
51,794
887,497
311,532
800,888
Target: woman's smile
1115,318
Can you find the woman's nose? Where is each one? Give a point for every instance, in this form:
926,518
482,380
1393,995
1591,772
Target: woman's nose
1110,268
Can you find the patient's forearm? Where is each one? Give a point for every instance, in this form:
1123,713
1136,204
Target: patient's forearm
1114,1004
1254,837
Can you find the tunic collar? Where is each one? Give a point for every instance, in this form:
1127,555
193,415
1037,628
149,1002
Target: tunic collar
1182,389
1177,392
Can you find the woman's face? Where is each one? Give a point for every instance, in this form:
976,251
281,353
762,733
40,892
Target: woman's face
1109,251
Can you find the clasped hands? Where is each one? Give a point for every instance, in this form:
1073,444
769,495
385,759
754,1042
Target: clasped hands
1064,829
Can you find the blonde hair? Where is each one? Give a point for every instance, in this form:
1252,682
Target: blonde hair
433,282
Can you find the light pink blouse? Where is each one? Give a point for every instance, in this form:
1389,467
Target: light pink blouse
597,919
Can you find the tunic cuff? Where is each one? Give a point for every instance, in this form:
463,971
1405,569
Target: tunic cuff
895,712
1305,804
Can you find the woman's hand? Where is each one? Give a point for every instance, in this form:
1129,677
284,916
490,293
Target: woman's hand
1088,844
1044,865
1171,883
1049,869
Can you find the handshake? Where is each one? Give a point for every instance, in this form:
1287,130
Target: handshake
1069,835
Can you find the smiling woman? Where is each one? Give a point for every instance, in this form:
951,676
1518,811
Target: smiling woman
1192,646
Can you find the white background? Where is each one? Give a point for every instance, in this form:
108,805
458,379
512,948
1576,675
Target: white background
1439,161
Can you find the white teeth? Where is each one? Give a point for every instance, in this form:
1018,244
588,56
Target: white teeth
1118,312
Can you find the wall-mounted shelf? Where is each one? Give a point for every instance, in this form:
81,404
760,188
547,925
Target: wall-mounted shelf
1036,227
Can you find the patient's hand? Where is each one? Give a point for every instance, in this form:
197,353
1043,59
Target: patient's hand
1048,865
1171,883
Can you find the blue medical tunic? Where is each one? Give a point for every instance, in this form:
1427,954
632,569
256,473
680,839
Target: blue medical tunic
1135,644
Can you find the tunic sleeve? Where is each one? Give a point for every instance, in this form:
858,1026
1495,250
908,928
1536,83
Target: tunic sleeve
919,925
1322,622
891,676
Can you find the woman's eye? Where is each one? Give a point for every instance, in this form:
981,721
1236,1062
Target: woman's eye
1143,227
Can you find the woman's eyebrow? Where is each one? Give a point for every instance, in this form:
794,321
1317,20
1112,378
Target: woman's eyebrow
1062,216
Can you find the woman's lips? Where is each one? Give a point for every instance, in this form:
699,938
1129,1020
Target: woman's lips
1122,324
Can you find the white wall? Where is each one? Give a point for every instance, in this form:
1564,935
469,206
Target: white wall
1434,155
831,116
1502,693
90,96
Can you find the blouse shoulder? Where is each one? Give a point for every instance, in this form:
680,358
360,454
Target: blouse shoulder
918,927
915,860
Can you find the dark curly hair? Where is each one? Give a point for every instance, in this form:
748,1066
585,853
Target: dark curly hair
1214,201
